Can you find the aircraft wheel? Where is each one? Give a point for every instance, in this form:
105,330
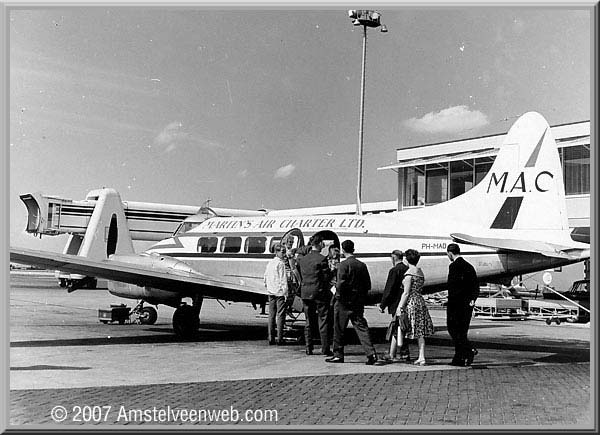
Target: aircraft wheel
104,321
558,321
92,283
548,321
148,316
186,322
62,282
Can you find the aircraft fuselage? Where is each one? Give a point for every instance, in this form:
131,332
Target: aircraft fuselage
239,248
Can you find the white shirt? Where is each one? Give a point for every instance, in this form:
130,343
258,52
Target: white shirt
275,278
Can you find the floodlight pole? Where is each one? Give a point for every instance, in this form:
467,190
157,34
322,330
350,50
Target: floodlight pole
361,123
364,18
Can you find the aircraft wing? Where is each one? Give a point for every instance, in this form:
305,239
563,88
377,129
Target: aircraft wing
144,275
545,248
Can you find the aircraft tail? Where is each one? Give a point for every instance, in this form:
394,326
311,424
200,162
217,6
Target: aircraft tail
107,232
521,197
527,179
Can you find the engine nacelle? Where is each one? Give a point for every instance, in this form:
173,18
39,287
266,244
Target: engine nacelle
151,295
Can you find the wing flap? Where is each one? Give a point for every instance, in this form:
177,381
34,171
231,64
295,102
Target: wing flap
217,287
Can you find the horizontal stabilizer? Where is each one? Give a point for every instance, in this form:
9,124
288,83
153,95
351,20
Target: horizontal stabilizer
139,274
544,248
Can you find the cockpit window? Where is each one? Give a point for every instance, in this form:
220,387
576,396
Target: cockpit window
184,227
255,245
231,244
207,244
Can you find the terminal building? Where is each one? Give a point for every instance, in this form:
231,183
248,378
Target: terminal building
433,173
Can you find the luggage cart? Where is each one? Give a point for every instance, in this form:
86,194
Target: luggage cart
556,312
499,309
116,313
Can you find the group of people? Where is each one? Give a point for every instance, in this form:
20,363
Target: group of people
334,292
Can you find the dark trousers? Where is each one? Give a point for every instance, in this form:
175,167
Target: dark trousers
341,315
317,317
277,309
458,320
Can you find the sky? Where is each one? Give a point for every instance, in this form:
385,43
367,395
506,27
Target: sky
259,108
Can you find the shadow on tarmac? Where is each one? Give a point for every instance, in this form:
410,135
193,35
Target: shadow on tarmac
46,367
213,332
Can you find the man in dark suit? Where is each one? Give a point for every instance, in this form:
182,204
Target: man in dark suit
391,298
352,287
463,290
314,275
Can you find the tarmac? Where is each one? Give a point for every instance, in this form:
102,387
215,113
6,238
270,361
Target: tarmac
67,368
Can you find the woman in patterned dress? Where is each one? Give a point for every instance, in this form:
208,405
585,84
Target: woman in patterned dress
414,305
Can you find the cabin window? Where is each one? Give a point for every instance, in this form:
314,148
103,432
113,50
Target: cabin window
255,245
231,244
207,244
274,241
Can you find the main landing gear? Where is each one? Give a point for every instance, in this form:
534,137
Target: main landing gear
186,319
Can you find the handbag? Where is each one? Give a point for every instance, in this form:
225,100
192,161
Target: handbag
403,321
392,329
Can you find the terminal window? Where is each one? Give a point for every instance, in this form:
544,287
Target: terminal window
414,186
576,169
482,167
436,184
461,177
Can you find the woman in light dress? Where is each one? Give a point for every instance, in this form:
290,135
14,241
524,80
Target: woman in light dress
413,304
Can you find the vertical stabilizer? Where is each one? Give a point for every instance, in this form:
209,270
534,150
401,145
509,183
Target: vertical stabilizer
527,178
522,193
107,232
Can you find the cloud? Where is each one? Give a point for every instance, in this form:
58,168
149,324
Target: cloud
170,134
451,120
285,171
173,135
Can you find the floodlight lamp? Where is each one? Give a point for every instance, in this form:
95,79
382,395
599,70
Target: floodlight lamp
383,28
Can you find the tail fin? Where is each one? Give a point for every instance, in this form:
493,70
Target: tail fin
523,191
107,232
527,177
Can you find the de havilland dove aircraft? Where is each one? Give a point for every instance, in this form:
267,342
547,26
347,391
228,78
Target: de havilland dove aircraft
513,222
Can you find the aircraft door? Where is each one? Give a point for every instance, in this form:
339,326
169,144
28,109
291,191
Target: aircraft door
297,235
329,238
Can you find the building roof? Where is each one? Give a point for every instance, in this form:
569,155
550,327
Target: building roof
577,133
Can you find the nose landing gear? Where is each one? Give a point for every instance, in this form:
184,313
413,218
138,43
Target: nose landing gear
144,315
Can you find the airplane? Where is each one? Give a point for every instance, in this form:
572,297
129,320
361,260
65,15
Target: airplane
512,222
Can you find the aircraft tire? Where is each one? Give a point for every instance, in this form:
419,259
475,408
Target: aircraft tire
186,322
92,283
148,316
